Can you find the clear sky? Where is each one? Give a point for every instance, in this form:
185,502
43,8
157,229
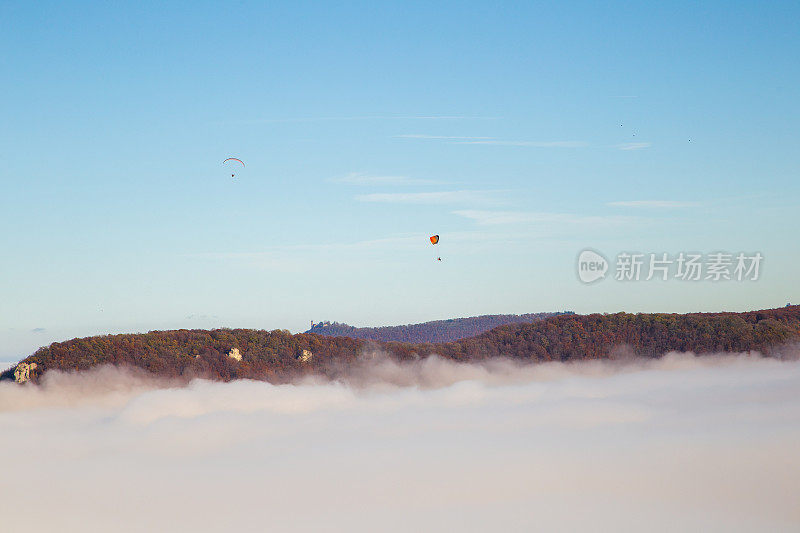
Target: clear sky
521,133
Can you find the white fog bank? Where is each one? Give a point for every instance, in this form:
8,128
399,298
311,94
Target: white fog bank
680,443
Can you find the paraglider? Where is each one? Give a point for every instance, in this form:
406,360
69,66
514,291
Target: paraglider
232,163
434,240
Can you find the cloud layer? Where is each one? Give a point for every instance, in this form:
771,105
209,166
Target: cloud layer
681,443
493,218
435,198
665,204
634,146
360,178
463,139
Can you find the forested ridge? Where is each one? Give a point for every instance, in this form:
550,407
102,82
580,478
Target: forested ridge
436,331
279,356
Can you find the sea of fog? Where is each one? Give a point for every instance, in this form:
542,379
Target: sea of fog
681,443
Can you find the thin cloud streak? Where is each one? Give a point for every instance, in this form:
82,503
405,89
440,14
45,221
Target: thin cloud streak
410,240
353,118
634,146
309,257
368,244
432,198
658,204
461,139
438,137
494,218
532,144
357,178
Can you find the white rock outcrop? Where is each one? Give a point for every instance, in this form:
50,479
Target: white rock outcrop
234,354
22,372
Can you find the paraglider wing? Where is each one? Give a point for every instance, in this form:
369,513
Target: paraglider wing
434,239
231,162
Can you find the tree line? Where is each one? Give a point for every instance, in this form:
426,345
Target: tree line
279,356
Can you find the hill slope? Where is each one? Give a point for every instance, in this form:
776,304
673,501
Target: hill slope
435,331
279,356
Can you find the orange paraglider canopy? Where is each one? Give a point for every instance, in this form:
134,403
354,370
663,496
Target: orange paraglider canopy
434,239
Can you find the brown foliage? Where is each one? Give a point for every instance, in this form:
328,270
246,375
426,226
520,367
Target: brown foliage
273,355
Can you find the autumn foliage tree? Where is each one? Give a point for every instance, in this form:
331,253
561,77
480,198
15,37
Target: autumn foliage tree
275,355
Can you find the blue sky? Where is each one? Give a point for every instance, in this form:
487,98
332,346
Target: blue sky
519,133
